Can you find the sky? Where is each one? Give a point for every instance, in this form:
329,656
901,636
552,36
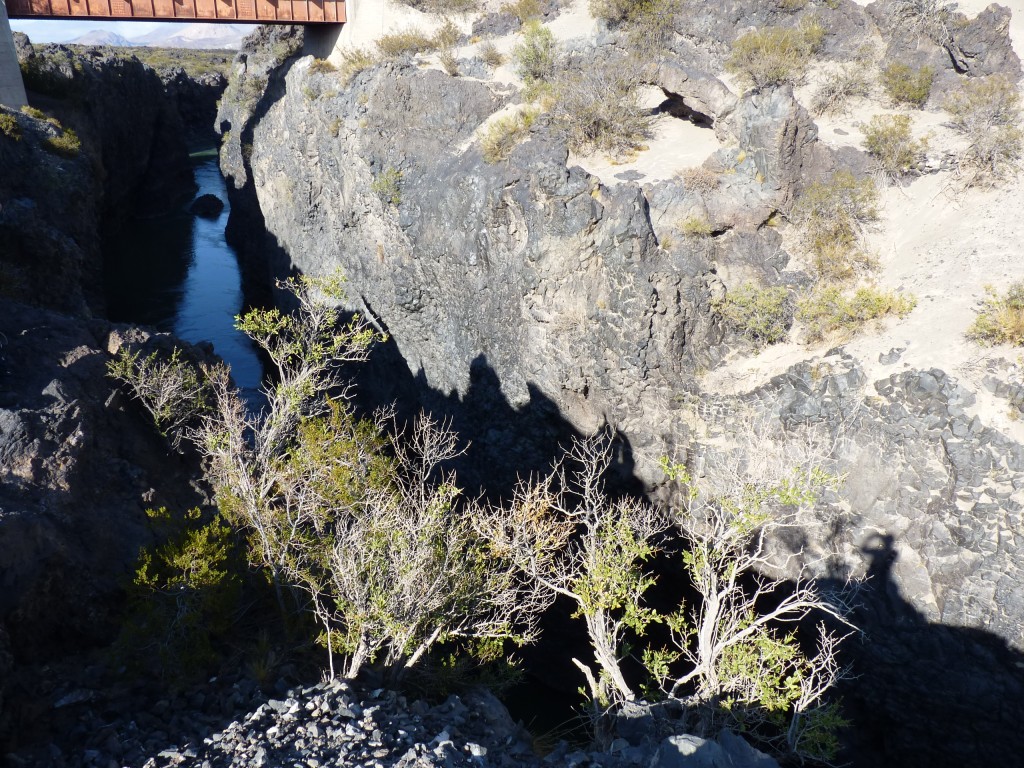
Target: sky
54,31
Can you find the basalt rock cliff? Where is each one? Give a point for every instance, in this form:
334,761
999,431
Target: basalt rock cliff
531,299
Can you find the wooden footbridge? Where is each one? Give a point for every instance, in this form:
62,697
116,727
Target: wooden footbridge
233,11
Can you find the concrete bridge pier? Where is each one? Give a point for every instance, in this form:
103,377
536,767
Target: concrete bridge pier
320,40
12,87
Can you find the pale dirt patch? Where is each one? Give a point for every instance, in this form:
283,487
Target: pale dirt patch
674,144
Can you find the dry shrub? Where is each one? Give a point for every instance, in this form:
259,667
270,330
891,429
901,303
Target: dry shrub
986,111
833,215
502,136
597,107
896,152
406,42
699,179
535,54
837,89
1001,319
490,55
524,10
354,61
771,56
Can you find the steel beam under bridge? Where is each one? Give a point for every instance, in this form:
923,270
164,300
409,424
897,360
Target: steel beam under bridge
232,11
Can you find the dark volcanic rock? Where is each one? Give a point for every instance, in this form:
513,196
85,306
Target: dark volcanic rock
79,465
207,206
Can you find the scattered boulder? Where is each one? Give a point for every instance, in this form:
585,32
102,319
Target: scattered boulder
207,206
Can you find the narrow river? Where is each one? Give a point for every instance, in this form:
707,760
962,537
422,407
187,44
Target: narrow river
177,273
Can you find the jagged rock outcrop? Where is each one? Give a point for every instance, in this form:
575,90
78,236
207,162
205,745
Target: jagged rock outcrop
56,200
119,109
79,466
934,504
195,100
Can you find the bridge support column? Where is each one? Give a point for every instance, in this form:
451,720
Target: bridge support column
319,40
12,88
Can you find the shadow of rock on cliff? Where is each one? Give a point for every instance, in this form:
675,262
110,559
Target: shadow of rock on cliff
927,694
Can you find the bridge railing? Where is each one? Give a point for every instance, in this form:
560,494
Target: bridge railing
262,11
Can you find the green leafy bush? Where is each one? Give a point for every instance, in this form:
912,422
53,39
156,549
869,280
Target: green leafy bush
65,144
986,112
887,138
760,315
534,55
830,309
184,598
772,56
1001,319
9,126
905,85
832,215
388,186
505,133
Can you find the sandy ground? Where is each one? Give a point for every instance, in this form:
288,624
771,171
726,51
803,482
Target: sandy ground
938,242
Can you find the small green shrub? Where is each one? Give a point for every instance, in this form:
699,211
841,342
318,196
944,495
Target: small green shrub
407,42
38,114
354,61
322,67
696,226
829,309
771,56
184,598
887,138
832,215
503,134
9,126
388,186
65,144
760,315
597,107
905,85
534,56
792,6
812,32
1001,319
490,55
837,88
986,112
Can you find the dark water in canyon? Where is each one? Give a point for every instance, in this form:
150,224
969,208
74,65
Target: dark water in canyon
178,273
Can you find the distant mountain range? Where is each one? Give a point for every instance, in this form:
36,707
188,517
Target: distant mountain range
173,35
